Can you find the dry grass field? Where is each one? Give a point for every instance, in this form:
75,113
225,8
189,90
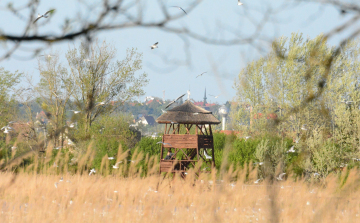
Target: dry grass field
28,197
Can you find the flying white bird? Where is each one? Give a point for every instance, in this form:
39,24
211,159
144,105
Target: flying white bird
260,163
179,8
196,113
92,171
163,111
174,101
207,156
102,103
247,137
61,179
215,96
257,181
72,125
291,150
111,158
155,45
316,174
303,127
48,56
164,143
56,184
7,129
280,177
87,60
240,3
75,112
46,15
116,166
201,74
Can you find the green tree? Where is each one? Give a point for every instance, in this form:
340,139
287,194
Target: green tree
101,84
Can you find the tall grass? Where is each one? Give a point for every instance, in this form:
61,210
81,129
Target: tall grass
32,197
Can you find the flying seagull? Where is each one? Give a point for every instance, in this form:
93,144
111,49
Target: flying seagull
303,127
92,171
291,150
164,143
155,45
179,8
75,112
215,96
201,74
280,177
207,156
46,15
174,101
116,166
239,2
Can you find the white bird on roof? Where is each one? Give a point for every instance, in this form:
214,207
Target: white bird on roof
155,45
46,15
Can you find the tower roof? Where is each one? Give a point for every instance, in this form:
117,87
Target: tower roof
188,113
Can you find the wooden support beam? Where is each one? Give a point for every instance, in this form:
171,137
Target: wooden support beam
210,129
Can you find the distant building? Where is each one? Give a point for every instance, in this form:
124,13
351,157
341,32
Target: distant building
147,120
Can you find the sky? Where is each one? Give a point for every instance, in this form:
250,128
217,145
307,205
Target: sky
222,63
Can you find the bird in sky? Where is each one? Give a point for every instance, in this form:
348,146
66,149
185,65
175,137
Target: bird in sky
215,96
46,15
291,150
201,74
155,45
92,171
280,177
75,112
179,8
207,155
174,101
48,55
239,2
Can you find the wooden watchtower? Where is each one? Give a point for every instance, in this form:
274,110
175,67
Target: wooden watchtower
180,149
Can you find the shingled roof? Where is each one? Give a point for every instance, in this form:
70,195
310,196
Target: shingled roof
188,113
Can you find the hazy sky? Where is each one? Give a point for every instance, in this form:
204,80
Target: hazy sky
222,64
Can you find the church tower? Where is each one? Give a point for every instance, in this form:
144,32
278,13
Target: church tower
205,102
